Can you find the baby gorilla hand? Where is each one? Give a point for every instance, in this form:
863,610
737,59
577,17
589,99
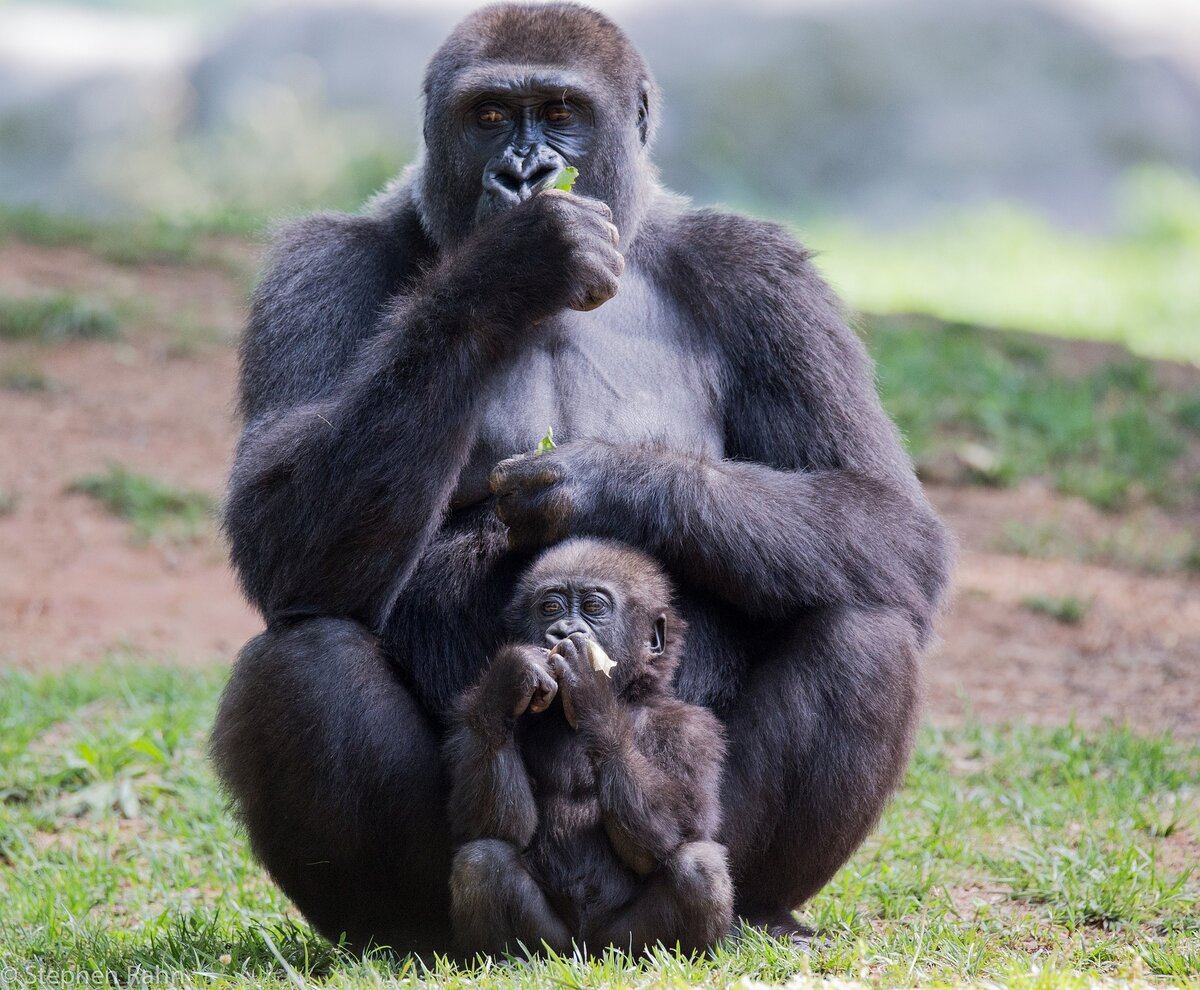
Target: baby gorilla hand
519,680
586,693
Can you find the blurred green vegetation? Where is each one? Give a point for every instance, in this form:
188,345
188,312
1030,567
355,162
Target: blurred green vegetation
56,318
128,240
151,506
995,408
1069,610
1006,267
22,375
1131,545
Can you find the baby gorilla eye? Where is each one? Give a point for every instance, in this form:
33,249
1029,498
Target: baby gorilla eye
594,605
550,607
558,115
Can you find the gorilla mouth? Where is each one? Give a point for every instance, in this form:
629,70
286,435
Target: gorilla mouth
504,188
514,189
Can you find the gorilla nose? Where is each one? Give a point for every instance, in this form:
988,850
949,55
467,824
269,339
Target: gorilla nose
563,629
514,177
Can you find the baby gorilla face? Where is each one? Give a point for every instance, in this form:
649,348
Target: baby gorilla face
574,607
612,594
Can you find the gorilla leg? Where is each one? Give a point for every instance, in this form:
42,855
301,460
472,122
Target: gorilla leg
497,906
336,774
818,740
689,901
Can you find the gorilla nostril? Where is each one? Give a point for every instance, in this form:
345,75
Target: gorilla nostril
508,180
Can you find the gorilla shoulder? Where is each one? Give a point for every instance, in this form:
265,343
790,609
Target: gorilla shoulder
326,278
758,277
739,253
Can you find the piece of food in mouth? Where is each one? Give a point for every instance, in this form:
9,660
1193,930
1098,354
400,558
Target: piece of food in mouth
601,662
565,180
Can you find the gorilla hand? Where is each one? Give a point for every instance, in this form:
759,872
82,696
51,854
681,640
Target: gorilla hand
586,693
554,251
518,680
544,498
582,240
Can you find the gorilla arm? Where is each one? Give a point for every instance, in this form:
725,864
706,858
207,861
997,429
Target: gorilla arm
815,502
360,385
657,764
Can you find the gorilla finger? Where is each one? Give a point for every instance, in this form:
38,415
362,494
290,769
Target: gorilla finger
597,295
607,260
522,471
594,205
543,693
564,676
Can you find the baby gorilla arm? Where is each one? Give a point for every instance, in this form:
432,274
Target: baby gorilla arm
657,765
495,905
490,793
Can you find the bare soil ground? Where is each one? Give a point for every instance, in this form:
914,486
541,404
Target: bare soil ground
75,585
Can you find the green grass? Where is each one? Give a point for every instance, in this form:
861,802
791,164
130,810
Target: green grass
1131,546
151,506
1013,856
1068,610
22,375
136,240
993,408
1005,267
54,319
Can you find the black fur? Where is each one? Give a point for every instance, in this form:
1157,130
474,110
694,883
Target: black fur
586,806
714,410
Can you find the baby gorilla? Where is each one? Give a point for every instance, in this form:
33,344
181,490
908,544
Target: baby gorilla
585,805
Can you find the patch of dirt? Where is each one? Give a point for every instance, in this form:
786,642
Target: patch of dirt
73,585
1134,657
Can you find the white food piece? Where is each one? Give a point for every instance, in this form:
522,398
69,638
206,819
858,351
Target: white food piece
599,659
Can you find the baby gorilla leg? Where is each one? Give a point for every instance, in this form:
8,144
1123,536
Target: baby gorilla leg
496,906
689,901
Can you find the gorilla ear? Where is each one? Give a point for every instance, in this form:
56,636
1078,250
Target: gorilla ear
643,117
658,636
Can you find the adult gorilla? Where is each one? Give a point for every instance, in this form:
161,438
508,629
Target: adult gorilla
716,412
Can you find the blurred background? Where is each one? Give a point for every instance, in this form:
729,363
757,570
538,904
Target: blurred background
1005,192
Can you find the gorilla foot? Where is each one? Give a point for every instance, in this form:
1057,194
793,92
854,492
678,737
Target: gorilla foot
781,925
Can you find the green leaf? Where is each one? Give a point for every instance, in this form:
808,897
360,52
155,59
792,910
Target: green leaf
565,180
546,443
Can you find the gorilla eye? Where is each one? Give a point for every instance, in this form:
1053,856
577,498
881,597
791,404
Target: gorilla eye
550,607
559,115
490,115
594,605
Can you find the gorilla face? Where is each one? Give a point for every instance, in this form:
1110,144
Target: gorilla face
517,92
520,132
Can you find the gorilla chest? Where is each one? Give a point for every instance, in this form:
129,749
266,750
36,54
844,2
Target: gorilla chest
625,372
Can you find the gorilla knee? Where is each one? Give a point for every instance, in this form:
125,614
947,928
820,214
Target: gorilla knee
700,873
478,866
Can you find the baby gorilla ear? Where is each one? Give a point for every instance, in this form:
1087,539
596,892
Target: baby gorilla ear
658,636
